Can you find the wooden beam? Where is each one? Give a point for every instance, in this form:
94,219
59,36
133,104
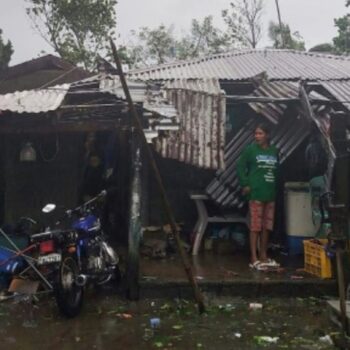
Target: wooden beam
134,236
187,266
69,127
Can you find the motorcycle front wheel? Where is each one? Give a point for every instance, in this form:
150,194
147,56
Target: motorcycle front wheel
69,296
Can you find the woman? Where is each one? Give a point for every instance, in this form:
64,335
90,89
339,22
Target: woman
257,168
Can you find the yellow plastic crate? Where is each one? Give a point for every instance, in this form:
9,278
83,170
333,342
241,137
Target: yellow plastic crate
316,261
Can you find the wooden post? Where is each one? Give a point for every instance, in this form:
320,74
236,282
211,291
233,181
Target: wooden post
134,224
197,294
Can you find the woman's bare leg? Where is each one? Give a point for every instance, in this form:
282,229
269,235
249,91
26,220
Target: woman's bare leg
264,240
253,237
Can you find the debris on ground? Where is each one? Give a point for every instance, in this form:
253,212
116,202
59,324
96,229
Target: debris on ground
326,339
255,306
154,248
262,340
296,277
174,324
154,322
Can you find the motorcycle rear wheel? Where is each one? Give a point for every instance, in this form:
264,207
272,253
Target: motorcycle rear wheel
69,296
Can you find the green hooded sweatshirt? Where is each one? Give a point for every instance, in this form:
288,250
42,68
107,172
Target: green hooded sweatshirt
257,168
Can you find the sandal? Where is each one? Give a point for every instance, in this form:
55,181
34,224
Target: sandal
257,265
270,263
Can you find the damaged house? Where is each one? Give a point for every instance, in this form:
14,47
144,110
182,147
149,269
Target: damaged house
67,134
199,114
298,93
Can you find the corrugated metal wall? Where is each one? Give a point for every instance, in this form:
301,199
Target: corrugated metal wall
201,106
286,136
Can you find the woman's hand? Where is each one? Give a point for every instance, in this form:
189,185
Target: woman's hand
246,190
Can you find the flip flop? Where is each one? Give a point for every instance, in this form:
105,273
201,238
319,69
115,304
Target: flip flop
257,265
270,263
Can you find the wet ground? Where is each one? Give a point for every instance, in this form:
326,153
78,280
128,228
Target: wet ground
108,322
214,267
231,275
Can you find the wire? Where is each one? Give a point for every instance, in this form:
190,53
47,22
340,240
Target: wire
59,77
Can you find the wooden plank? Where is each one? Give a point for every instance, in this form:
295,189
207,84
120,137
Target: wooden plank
71,127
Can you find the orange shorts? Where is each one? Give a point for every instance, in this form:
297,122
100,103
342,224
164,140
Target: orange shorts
262,215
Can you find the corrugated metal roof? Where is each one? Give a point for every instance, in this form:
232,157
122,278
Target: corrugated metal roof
34,101
245,64
278,89
340,90
141,92
49,99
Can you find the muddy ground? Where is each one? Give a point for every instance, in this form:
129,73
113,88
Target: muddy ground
110,322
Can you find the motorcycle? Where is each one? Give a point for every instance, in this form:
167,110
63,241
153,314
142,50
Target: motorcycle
75,256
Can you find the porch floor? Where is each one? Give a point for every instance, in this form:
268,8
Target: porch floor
231,275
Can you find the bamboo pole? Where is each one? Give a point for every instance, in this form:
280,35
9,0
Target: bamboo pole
197,294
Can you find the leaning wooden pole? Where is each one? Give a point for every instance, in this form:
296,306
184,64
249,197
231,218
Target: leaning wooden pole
197,294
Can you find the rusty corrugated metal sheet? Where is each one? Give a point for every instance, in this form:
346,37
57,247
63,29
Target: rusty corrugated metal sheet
201,108
245,64
34,101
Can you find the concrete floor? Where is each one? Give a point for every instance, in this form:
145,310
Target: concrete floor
231,275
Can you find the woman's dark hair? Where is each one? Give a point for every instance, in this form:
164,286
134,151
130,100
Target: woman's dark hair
264,127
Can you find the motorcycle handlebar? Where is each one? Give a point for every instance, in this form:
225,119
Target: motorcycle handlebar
37,237
101,195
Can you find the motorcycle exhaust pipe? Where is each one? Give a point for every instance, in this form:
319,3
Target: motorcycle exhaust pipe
81,280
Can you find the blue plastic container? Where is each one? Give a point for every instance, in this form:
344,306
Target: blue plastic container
9,263
295,245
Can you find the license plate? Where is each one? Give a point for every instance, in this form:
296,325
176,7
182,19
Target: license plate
49,259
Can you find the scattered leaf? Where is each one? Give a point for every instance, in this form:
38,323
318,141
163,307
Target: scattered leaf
178,326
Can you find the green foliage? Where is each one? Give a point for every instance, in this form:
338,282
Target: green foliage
342,40
325,47
6,52
78,30
243,20
159,42
203,39
153,46
159,45
283,38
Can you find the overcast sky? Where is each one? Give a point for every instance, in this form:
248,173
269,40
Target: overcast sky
314,19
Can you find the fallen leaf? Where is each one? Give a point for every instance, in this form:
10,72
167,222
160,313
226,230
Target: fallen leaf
178,326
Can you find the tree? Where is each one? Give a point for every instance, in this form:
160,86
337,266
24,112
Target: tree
283,38
342,40
159,45
243,20
325,47
204,38
6,52
152,46
78,30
